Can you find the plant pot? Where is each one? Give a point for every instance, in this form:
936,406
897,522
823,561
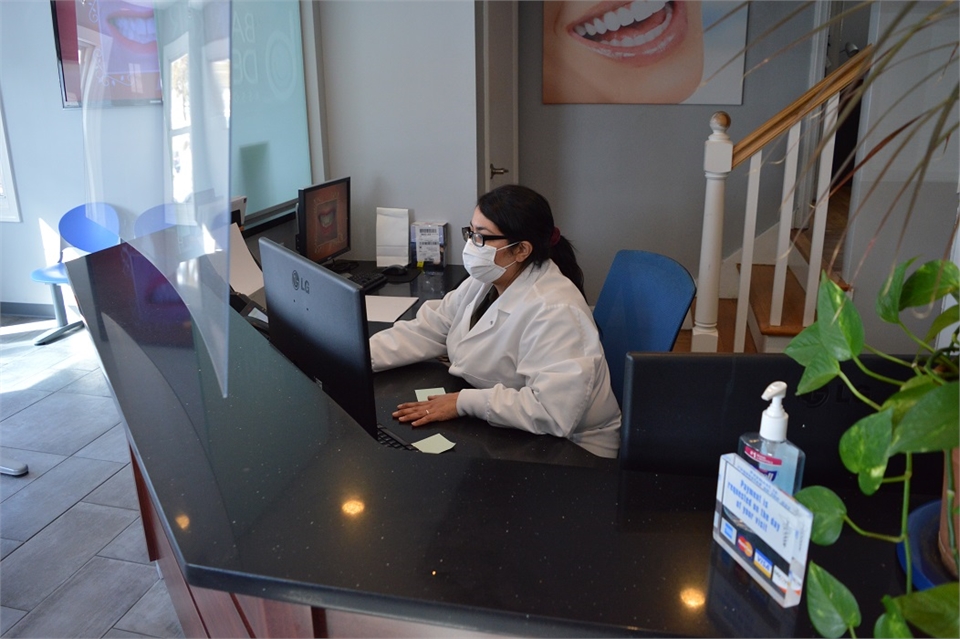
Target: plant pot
946,553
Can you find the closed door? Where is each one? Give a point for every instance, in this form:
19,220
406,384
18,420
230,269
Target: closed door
497,33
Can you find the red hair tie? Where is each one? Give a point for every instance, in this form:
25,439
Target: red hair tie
555,236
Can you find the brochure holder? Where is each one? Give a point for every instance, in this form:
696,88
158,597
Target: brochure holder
763,528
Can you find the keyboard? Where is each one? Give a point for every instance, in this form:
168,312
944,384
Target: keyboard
388,439
368,280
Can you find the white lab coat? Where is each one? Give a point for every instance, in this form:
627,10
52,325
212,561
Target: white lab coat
534,358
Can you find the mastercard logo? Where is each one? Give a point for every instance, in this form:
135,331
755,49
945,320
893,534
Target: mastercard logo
745,546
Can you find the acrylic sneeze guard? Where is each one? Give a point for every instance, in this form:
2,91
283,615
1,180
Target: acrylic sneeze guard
178,155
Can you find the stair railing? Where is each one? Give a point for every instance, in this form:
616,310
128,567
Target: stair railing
721,156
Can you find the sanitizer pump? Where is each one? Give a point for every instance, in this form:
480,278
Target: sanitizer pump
769,451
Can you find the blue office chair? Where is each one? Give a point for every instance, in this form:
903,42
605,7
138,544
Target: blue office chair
90,228
641,308
154,219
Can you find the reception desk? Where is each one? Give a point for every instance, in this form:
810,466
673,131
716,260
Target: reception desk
270,507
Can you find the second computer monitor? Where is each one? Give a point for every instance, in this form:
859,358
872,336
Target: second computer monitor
323,218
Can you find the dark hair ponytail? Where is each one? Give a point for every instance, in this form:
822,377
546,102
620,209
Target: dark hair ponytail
522,214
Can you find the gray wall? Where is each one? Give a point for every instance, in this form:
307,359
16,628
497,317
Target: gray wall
631,176
402,118
882,233
401,111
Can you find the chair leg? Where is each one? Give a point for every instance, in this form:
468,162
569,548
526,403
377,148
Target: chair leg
60,312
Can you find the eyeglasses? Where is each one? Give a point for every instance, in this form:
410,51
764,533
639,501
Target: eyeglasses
477,239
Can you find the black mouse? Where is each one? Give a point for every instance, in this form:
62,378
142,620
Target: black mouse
395,270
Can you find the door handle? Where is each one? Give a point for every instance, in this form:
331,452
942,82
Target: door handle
495,171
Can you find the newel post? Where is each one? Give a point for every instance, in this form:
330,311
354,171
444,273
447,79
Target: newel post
717,163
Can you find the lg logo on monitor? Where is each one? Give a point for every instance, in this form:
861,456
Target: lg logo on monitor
298,283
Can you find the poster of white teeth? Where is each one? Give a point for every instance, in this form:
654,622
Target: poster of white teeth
643,52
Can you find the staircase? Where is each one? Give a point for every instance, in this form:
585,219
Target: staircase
726,317
776,297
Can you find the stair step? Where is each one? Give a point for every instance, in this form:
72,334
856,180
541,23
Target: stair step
761,287
801,239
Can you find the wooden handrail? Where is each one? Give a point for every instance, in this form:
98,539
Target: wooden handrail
816,95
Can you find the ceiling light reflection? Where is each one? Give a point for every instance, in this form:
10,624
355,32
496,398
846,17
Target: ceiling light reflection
692,597
352,507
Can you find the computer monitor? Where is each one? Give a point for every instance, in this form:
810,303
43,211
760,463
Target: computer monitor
318,320
323,219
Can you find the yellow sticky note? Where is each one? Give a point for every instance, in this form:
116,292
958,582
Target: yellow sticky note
424,393
434,444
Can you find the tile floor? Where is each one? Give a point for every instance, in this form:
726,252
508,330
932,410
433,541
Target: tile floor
73,560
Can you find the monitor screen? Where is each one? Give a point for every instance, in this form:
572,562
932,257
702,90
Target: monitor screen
323,217
318,320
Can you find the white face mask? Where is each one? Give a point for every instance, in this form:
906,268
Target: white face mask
480,264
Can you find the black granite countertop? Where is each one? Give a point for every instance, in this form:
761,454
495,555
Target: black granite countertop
274,491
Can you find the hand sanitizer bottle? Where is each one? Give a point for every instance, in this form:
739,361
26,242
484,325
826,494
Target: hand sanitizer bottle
769,451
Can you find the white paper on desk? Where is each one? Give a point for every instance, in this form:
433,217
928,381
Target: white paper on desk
245,276
393,233
386,308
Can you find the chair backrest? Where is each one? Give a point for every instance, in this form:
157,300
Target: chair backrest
154,219
91,227
641,308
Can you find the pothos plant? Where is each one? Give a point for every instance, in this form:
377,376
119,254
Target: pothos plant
920,415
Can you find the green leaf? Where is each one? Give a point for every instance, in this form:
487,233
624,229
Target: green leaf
888,301
863,449
911,392
828,512
945,319
818,373
806,346
935,611
931,424
929,283
891,623
841,330
831,606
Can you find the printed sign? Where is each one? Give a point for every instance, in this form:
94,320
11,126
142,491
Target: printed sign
763,528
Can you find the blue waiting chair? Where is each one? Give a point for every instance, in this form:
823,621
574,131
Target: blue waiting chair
154,219
90,228
641,308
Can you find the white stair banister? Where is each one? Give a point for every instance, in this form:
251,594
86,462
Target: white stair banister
746,255
717,163
820,211
786,218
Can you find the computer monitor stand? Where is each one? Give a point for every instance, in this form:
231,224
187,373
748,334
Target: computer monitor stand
340,266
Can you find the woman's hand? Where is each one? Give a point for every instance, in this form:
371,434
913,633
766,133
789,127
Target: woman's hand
437,408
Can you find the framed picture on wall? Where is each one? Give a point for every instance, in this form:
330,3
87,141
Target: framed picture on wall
107,51
643,52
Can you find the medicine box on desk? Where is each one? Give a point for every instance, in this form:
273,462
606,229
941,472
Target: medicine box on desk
428,245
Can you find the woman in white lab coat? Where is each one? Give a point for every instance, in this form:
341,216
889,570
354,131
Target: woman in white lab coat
518,330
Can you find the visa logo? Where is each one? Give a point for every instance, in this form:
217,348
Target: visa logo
764,564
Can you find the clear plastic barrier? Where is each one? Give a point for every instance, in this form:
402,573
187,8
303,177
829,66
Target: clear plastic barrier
155,80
